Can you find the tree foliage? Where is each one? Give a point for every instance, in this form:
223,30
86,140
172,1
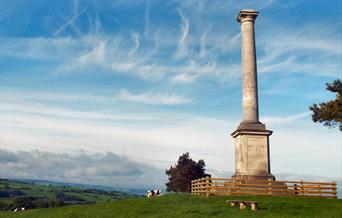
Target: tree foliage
183,172
330,113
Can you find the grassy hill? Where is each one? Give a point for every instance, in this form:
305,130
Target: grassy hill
133,191
193,206
18,194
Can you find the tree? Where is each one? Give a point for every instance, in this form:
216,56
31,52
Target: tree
330,113
183,172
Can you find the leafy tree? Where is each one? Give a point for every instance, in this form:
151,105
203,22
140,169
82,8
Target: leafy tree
30,202
330,113
183,172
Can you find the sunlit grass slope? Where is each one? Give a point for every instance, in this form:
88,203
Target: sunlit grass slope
193,206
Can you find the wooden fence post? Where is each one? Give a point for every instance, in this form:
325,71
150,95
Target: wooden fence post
334,189
207,189
200,186
197,187
269,187
302,187
192,187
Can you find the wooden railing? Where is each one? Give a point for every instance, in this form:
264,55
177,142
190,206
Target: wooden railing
221,186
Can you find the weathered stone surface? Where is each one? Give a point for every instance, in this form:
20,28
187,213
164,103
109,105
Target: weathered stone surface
252,126
249,67
252,155
251,137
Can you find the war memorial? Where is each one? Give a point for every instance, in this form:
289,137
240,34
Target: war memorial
252,159
252,148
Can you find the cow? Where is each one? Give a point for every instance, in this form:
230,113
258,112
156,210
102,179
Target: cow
153,193
19,209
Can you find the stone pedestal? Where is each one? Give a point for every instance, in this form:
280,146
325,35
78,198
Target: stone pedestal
252,154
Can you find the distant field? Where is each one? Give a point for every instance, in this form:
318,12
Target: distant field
193,206
15,194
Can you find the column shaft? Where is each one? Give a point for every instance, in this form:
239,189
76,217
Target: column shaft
249,72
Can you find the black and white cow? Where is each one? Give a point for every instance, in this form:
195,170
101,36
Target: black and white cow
19,209
153,193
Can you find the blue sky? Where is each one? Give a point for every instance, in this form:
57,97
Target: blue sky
149,80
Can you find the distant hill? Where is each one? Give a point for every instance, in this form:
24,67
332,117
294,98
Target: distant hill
132,191
42,194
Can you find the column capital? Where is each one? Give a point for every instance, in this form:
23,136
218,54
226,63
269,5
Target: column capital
247,15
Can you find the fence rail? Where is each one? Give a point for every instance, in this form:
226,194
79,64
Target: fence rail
221,186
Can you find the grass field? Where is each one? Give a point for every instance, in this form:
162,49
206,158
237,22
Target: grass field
193,206
11,191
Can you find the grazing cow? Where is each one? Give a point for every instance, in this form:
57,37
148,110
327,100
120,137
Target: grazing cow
153,193
19,209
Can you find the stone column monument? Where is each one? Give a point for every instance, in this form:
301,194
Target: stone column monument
252,159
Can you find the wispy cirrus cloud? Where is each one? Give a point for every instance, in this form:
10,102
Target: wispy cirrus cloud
157,138
152,98
118,55
310,49
209,43
274,120
150,80
183,48
65,129
131,52
95,55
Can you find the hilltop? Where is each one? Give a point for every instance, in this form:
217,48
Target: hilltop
193,206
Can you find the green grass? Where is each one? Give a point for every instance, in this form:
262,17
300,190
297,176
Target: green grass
49,192
193,206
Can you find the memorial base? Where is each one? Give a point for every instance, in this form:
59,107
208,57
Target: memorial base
252,160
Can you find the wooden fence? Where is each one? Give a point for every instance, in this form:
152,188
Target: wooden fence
221,186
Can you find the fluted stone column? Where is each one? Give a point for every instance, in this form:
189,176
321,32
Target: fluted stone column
251,137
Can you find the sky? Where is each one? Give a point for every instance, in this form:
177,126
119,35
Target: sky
113,92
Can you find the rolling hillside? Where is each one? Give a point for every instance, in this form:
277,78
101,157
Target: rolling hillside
15,194
192,206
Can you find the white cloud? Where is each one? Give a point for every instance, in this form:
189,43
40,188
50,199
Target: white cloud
39,48
203,39
310,49
102,123
183,48
284,119
184,78
158,138
96,55
135,38
152,98
100,168
99,52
